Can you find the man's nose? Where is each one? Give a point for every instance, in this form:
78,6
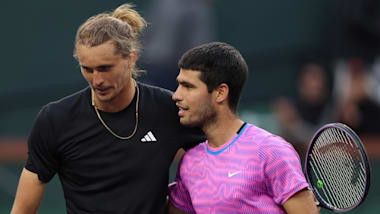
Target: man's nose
97,78
176,95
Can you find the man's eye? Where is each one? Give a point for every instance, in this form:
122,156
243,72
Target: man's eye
86,69
104,68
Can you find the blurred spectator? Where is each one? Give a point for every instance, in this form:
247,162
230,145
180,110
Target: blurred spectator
355,107
300,118
375,80
175,26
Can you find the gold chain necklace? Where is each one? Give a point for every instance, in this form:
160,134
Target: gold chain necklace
108,128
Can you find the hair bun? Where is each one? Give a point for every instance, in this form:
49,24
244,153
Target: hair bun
126,14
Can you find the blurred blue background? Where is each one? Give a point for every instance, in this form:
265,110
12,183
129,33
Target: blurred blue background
276,38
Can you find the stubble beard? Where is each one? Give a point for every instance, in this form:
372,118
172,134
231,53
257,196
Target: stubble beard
205,118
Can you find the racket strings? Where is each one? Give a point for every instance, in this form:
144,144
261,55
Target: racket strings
322,173
333,194
358,175
359,169
325,164
347,154
333,181
318,176
336,161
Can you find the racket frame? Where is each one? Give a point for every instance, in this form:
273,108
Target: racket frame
359,145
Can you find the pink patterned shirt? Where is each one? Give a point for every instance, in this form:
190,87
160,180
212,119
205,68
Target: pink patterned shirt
254,172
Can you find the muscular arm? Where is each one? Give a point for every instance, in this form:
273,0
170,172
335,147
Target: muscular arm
29,193
301,203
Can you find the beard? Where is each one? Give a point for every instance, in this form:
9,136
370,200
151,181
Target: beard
203,118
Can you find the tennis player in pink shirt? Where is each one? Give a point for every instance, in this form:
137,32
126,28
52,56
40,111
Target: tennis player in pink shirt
240,168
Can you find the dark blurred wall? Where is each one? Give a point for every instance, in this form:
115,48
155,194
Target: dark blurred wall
37,44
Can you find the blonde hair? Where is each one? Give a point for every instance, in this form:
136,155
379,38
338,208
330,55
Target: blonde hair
122,26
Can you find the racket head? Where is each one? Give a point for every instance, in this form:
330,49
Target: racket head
337,168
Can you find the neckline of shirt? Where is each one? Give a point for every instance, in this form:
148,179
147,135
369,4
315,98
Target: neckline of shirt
234,138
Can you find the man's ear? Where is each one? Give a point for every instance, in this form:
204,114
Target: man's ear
221,93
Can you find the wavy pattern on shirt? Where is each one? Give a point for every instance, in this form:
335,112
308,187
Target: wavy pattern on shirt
254,172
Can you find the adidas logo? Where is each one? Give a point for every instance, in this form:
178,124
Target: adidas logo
149,137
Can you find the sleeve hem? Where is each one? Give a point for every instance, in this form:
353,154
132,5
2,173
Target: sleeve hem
293,192
40,177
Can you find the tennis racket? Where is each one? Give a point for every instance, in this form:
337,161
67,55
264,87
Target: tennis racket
337,168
